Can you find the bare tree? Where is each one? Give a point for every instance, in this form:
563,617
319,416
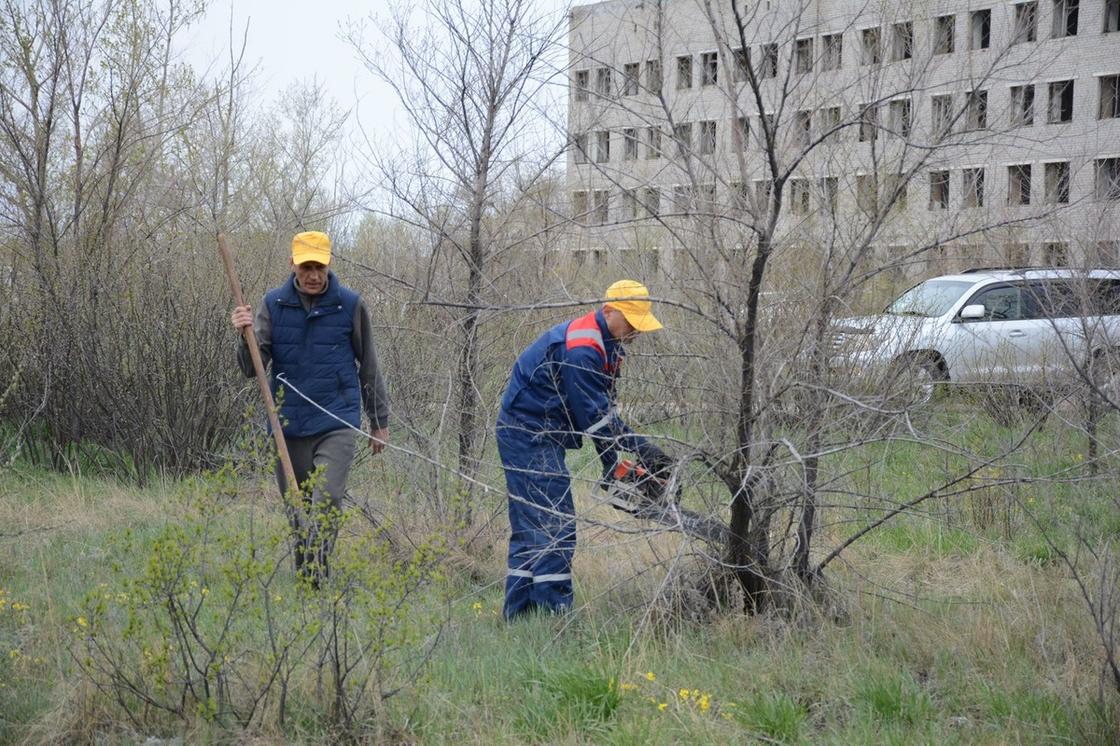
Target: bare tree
469,81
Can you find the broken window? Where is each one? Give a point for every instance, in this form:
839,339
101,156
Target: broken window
832,56
1056,182
1022,105
1019,184
943,34
980,29
939,190
1060,107
1065,18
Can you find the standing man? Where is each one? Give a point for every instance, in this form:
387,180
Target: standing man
317,333
561,388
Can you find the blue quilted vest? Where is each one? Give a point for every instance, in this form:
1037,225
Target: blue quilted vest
313,351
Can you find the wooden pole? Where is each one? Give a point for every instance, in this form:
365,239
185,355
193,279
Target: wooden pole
258,367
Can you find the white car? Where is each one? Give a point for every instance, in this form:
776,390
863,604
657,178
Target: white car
1027,327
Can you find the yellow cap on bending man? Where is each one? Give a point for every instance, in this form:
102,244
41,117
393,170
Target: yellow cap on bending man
632,299
311,246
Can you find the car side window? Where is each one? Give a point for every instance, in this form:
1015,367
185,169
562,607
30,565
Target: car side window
1051,299
1104,298
1000,303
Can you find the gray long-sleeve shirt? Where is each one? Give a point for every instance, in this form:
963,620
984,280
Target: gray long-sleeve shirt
375,399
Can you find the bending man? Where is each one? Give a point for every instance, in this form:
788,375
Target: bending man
318,336
562,387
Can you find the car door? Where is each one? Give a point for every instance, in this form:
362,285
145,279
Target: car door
995,348
1055,329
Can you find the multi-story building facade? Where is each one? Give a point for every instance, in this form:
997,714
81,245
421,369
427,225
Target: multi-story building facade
946,133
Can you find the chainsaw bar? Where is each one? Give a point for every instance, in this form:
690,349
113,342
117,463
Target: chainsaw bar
632,499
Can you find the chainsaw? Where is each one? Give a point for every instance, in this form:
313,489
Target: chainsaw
634,490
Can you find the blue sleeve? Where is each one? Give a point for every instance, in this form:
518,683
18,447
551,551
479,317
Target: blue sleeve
587,390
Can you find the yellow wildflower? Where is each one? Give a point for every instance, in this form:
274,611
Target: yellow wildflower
683,693
662,706
705,703
650,676
82,622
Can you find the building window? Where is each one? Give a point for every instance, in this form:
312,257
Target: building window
799,196
763,192
768,65
651,200
902,41
939,190
1060,105
1110,97
830,193
629,204
602,146
1025,24
603,82
977,115
630,144
583,84
832,54
682,132
1108,253
1065,18
766,124
653,143
900,117
707,138
1111,16
579,147
941,114
802,129
684,72
1019,184
653,76
828,119
744,130
709,68
972,192
1022,105
579,207
867,197
682,199
1056,182
601,200
980,29
895,191
706,202
1055,254
630,73
1107,178
803,60
742,63
943,34
872,53
868,122
1017,254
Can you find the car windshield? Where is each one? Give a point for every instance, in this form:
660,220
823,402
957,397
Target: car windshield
931,298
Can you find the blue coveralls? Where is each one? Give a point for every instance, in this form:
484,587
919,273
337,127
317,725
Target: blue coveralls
561,388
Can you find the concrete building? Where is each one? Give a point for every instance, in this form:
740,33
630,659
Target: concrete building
987,131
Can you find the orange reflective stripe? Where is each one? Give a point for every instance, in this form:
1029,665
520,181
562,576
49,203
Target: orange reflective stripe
584,332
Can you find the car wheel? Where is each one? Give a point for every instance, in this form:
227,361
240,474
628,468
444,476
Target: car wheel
916,380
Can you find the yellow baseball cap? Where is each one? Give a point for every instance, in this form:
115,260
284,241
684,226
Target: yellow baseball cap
632,299
311,246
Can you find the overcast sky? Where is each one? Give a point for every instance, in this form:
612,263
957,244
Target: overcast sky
297,41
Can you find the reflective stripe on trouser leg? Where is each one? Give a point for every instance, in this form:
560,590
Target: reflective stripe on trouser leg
542,524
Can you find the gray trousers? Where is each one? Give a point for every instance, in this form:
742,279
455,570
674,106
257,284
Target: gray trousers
315,530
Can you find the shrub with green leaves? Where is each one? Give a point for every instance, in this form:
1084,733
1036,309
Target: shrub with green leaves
208,620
